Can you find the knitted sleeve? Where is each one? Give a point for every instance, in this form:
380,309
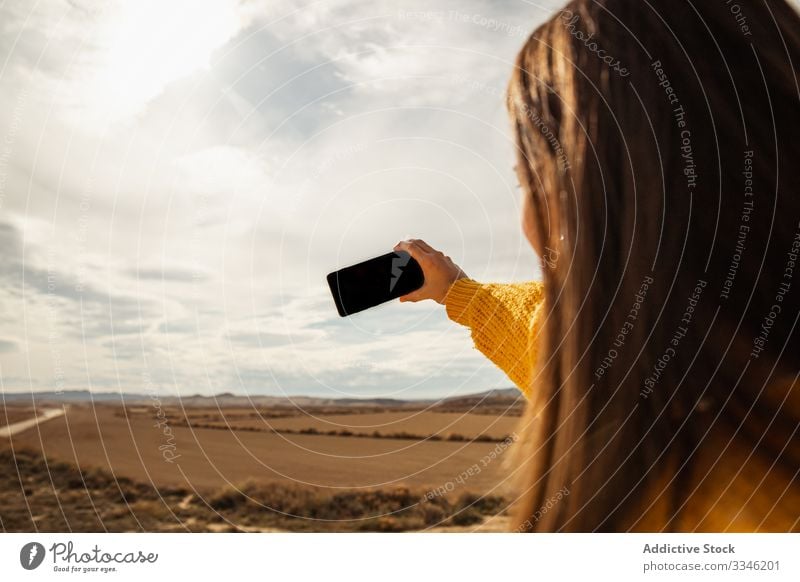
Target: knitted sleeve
504,320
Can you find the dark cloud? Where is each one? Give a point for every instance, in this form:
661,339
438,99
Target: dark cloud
179,327
263,340
7,345
169,274
93,312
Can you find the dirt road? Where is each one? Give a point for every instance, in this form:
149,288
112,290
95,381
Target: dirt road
18,427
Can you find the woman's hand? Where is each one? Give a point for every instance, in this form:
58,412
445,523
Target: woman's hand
439,270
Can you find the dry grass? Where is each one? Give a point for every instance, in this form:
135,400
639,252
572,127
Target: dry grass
400,435
39,496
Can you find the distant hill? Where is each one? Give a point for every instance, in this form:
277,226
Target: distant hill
71,396
494,397
496,393
498,401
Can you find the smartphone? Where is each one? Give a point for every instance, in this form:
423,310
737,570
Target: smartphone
364,285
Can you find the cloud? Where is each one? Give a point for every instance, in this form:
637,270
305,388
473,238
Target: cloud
177,327
118,55
167,274
7,345
175,194
87,309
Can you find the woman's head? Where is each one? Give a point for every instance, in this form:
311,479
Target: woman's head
656,145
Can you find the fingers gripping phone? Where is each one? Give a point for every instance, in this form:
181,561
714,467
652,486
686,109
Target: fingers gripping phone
364,285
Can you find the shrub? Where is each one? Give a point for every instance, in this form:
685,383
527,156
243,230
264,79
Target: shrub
226,498
469,516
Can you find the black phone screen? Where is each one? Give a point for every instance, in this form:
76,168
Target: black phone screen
364,285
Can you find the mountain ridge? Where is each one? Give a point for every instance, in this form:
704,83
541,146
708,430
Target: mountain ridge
230,399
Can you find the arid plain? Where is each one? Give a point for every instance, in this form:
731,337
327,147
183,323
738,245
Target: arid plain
233,464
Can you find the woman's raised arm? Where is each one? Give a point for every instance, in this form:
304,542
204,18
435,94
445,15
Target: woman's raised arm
503,318
504,321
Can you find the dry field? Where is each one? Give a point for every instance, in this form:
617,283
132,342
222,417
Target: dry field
408,424
12,414
238,469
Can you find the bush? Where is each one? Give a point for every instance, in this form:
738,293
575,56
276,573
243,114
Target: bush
226,499
432,514
469,516
56,490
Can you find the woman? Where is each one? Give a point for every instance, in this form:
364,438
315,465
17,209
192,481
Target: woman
657,145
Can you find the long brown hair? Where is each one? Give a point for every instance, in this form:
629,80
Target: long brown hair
659,143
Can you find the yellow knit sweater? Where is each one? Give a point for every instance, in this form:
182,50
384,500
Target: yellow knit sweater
735,495
504,319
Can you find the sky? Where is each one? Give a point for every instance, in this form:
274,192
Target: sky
177,178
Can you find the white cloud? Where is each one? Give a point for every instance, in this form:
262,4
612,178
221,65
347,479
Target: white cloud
258,145
111,58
